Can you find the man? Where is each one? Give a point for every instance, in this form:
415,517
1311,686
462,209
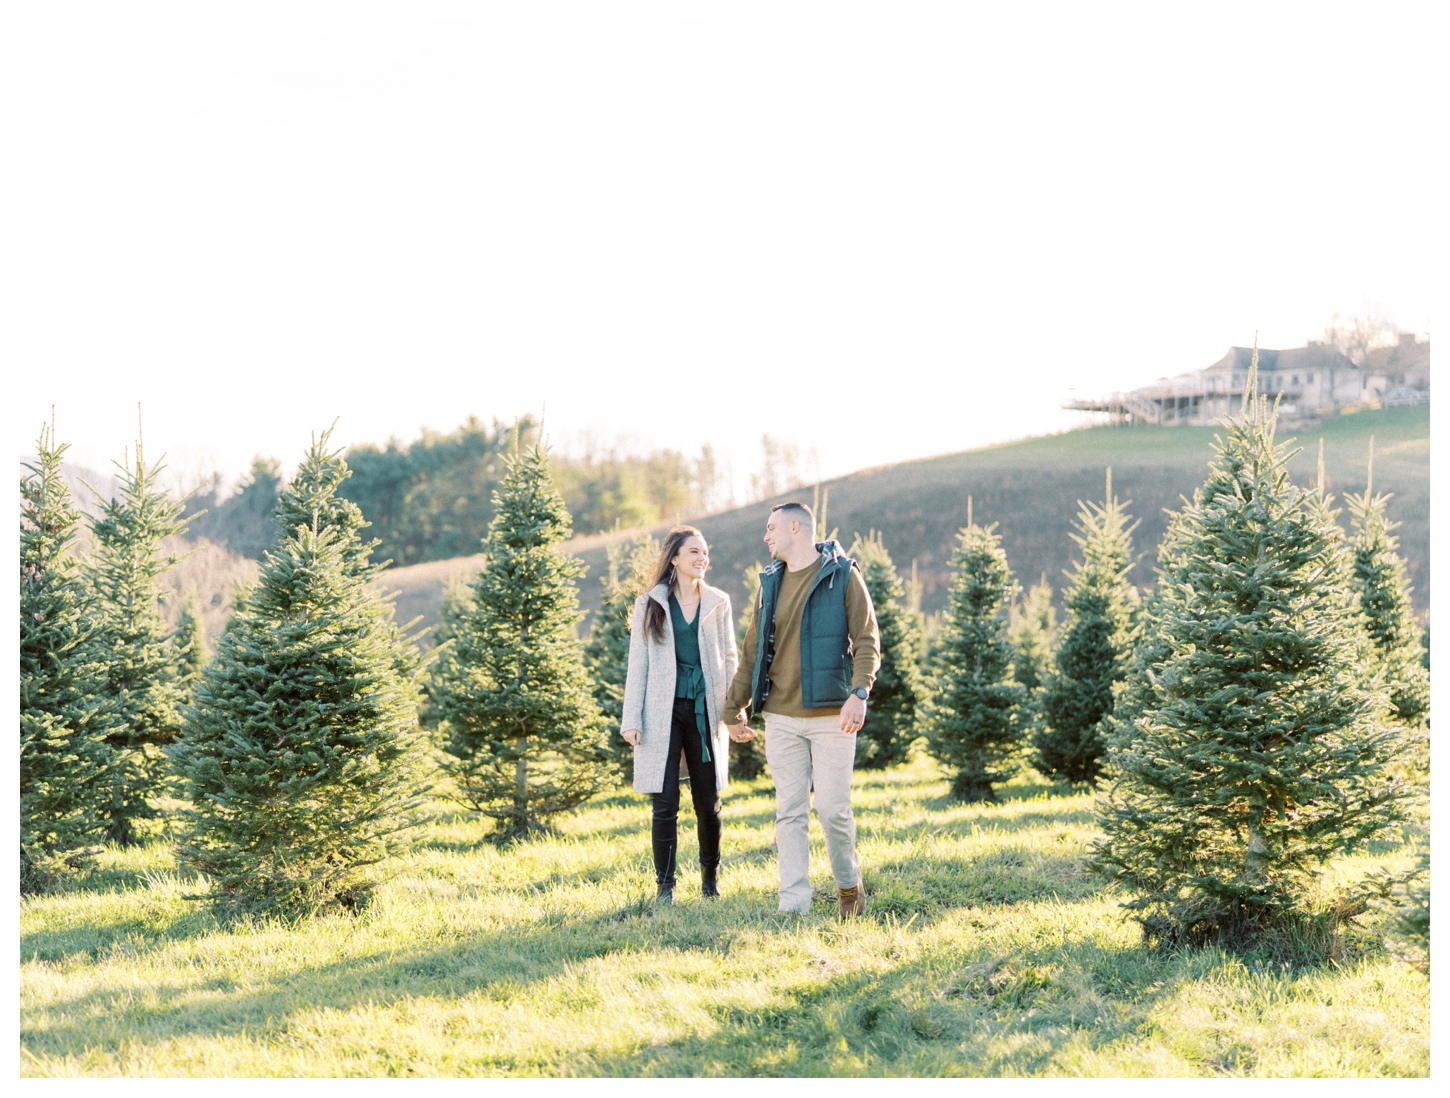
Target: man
811,655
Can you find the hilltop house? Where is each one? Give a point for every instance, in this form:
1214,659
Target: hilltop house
1311,380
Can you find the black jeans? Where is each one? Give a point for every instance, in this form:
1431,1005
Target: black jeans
684,733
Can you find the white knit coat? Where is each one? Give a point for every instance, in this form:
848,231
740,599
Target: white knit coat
649,685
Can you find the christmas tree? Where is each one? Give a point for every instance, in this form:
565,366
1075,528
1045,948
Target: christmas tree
971,715
1256,753
141,674
607,653
1032,632
65,760
1384,596
188,645
523,733
1096,645
302,753
891,713
1032,629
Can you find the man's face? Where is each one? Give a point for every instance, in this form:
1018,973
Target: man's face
780,534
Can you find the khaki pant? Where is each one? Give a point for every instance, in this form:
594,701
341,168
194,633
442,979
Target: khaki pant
800,750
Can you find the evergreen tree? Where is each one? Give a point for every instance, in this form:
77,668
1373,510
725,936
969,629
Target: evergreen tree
302,752
522,730
971,715
1256,753
141,674
747,759
188,645
65,760
607,653
1032,631
1384,596
1096,645
891,715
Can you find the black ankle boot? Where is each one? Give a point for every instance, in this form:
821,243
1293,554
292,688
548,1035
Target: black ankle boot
664,872
709,880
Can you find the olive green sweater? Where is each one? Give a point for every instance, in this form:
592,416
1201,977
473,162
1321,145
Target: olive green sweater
785,668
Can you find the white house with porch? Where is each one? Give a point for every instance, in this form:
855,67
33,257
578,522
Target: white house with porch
1311,380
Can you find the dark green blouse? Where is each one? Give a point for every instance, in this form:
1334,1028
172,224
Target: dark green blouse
689,677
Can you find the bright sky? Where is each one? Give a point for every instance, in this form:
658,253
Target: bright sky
877,231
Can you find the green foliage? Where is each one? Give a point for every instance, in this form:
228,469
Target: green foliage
1032,632
890,725
141,674
1257,752
1384,596
188,645
243,521
66,762
1032,629
747,759
522,731
1406,902
970,717
433,499
1096,643
302,752
607,653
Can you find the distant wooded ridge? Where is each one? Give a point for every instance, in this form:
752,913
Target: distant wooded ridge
432,499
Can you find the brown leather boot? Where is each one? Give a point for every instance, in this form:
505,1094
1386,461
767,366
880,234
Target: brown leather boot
853,900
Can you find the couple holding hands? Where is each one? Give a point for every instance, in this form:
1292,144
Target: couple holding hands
811,654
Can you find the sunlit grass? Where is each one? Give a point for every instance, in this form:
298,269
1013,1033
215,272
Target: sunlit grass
987,951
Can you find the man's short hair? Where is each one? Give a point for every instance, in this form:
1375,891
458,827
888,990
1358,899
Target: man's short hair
798,511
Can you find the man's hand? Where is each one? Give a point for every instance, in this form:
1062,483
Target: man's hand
853,714
631,736
741,733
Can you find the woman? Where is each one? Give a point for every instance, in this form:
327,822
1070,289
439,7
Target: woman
681,660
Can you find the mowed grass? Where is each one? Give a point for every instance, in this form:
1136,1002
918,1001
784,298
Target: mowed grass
987,950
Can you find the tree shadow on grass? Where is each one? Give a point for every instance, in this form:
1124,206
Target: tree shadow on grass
994,1014
500,964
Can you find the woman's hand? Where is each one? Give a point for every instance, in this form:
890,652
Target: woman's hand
741,733
631,736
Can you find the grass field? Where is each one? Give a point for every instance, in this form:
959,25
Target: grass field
986,951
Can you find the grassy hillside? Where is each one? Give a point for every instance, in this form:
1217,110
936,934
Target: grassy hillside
986,951
1031,488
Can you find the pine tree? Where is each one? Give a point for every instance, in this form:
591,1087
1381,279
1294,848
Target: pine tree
1032,632
188,645
1256,753
522,730
971,715
1096,645
1384,596
747,758
141,674
607,653
890,725
65,761
302,753
1032,629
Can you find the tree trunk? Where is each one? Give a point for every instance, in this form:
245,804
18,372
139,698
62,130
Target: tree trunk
1256,857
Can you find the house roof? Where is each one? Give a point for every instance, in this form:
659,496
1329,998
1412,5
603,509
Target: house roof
1316,356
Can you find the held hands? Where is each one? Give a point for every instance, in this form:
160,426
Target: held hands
741,732
853,714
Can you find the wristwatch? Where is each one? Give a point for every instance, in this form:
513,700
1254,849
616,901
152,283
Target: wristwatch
861,692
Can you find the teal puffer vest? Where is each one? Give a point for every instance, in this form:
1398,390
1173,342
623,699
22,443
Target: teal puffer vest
826,664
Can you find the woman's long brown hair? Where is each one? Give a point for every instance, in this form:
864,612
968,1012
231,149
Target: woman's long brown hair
664,572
